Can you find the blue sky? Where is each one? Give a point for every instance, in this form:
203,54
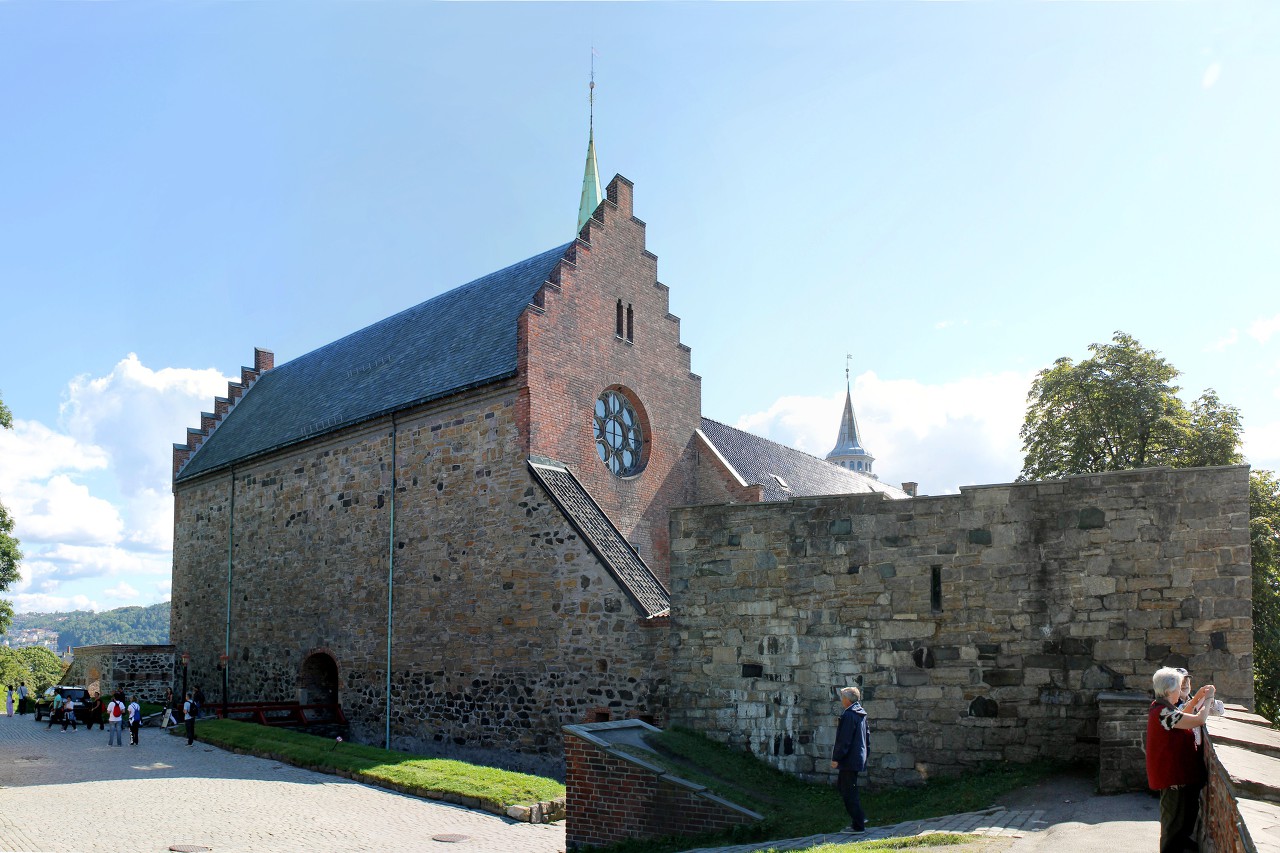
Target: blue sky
954,194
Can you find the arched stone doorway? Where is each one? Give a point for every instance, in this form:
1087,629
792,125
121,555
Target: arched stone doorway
318,680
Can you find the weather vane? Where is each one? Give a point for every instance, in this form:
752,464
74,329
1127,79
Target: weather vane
848,360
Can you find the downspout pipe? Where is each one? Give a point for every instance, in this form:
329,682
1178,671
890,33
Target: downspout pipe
391,567
231,539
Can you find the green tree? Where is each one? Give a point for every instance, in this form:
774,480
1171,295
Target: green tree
1264,537
35,666
10,555
1117,410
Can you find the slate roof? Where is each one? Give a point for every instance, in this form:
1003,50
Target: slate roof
758,459
605,541
460,339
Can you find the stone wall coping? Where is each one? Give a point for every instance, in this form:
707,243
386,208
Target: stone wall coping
1260,815
1250,773
1244,715
1225,730
1131,471
1124,696
588,731
118,648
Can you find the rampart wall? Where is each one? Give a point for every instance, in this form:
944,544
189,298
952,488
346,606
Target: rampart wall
138,671
981,626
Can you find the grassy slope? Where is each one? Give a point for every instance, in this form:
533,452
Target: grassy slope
793,808
428,777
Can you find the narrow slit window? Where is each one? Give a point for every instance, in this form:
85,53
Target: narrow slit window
935,588
618,326
631,317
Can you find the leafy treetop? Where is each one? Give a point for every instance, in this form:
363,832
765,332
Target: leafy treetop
1118,410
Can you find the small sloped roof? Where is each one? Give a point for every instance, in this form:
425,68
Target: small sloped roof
758,460
460,339
604,539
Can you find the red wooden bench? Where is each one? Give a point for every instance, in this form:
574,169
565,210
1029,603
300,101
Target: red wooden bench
282,713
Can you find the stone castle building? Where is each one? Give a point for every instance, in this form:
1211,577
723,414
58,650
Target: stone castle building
455,521
503,511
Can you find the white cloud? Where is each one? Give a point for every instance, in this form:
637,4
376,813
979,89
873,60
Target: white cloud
31,451
942,436
1211,75
947,324
1264,328
40,603
63,511
122,591
91,500
1218,346
135,414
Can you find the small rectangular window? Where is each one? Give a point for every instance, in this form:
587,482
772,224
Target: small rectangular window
630,323
935,588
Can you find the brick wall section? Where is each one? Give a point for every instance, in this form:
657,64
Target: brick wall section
1122,735
612,796
570,354
716,481
506,627
1049,593
141,671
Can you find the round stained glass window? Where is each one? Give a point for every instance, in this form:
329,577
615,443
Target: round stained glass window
619,437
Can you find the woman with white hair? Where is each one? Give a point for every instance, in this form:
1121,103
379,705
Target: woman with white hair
1175,767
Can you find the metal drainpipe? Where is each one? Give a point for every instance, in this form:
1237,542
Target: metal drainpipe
391,565
231,539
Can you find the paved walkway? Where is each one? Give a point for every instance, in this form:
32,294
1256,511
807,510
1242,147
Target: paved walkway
71,792
989,823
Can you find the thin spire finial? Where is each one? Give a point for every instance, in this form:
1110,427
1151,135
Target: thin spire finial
848,360
591,93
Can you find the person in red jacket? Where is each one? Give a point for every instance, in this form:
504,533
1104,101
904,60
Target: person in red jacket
1175,767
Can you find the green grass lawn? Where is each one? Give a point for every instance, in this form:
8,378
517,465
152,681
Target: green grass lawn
428,777
793,808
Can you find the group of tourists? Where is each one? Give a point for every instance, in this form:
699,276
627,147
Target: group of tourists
20,695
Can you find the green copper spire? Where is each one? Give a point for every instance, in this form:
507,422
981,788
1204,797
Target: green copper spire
591,176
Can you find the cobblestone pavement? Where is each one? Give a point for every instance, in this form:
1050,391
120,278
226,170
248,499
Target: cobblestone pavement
989,823
71,792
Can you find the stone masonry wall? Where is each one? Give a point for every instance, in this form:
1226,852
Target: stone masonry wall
505,625
981,625
141,671
1122,736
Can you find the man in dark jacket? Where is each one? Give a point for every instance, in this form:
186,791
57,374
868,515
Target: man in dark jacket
853,745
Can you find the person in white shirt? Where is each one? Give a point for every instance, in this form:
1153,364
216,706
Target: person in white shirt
115,718
135,720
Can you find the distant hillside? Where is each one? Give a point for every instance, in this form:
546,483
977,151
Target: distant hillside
140,625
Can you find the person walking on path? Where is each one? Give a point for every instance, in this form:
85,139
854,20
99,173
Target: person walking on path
188,717
171,704
115,715
22,698
135,720
853,746
69,714
1174,766
8,701
94,713
55,711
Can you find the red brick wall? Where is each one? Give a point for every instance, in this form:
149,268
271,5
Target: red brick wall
570,354
610,799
